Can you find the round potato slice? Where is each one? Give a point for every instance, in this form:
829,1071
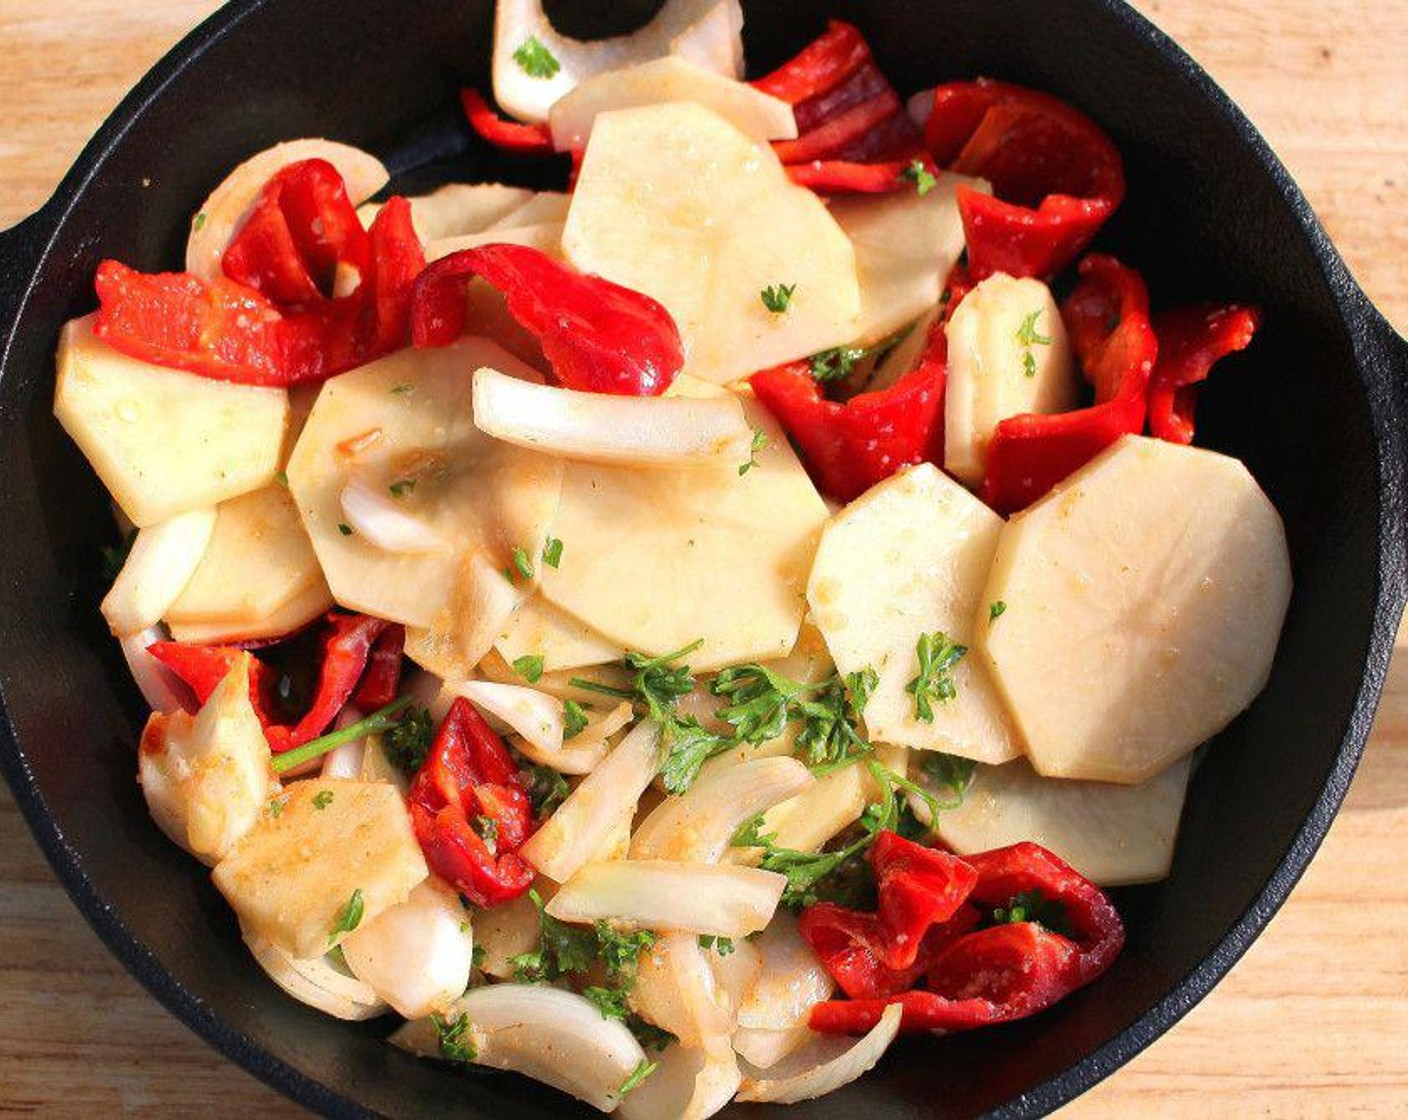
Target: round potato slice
406,423
1143,602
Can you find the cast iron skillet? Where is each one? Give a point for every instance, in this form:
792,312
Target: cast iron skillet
1315,409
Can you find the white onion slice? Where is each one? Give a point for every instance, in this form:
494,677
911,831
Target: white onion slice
686,1085
163,558
790,982
763,1049
582,823
547,1034
676,989
317,983
534,715
825,1064
373,513
505,931
737,969
699,824
162,689
604,428
583,752
667,895
820,811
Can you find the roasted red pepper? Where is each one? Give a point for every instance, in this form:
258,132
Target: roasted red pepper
853,132
973,977
1191,341
382,679
597,336
470,812
527,139
231,332
1107,317
1056,176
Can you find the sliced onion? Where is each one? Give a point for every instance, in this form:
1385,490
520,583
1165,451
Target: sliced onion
737,969
317,983
418,955
715,40
824,1064
763,1049
603,428
505,931
790,981
547,1034
374,514
534,715
686,1085
699,824
583,752
668,895
822,810
162,689
577,830
162,560
676,989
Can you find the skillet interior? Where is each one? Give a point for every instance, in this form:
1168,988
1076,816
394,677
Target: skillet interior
1207,217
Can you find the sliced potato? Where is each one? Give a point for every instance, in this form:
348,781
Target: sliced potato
539,629
1159,576
1113,835
407,421
755,114
292,614
164,441
457,209
543,208
675,202
292,878
458,639
658,559
259,558
222,214
906,244
910,557
1008,354
162,560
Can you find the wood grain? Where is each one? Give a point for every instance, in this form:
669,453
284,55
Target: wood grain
1314,1022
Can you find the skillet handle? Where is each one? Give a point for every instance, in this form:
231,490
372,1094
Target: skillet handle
21,248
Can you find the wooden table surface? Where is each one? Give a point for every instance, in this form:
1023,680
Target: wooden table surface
1313,1022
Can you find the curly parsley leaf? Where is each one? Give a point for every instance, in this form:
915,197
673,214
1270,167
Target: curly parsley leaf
938,654
455,1043
1033,906
529,667
948,771
536,60
408,742
923,179
349,917
760,440
574,720
552,552
547,789
777,298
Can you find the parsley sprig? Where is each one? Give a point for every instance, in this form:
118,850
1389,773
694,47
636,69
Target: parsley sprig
938,654
1028,336
777,298
536,60
840,362
455,1042
1033,906
763,702
919,174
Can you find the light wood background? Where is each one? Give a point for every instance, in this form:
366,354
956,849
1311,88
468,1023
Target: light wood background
1314,1022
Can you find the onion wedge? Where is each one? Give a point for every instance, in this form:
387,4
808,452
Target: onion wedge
533,715
686,1085
505,931
373,513
162,689
603,428
317,983
789,984
824,1065
164,556
676,989
667,895
763,1049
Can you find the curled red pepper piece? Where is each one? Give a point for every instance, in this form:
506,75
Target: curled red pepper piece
527,139
598,336
382,678
1191,341
1056,176
1004,971
853,132
1107,317
470,812
204,667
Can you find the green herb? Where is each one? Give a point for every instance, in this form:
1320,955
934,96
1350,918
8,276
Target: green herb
721,945
839,362
563,949
688,746
344,528
198,222
938,654
547,789
521,562
922,178
1033,906
613,1003
281,478
374,724
407,742
529,667
574,720
536,60
115,556
763,702
777,298
477,954
404,389
639,1074
487,829
996,610
276,808
760,440
948,771
455,1045
830,735
401,487
349,917
322,799
552,552
1028,336
620,952
649,1035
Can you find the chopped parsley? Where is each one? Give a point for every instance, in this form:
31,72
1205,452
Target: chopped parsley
721,945
536,60
552,552
1028,336
938,654
276,808
760,440
349,917
477,955
840,362
922,178
322,799
574,720
521,562
639,1074
401,487
948,771
344,528
1033,906
777,298
547,789
996,610
407,742
613,1003
529,667
562,949
455,1044
198,222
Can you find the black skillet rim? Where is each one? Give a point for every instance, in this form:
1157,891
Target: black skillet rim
1358,319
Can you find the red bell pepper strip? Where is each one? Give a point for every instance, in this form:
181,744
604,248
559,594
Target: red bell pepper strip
526,139
1107,317
382,679
468,778
1191,341
202,668
1056,176
835,176
598,336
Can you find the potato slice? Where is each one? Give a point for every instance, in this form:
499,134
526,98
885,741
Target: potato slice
658,559
160,565
539,629
1157,578
907,558
407,421
164,441
259,558
542,208
293,614
1114,835
755,114
1008,354
906,244
222,214
675,202
457,209
291,878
